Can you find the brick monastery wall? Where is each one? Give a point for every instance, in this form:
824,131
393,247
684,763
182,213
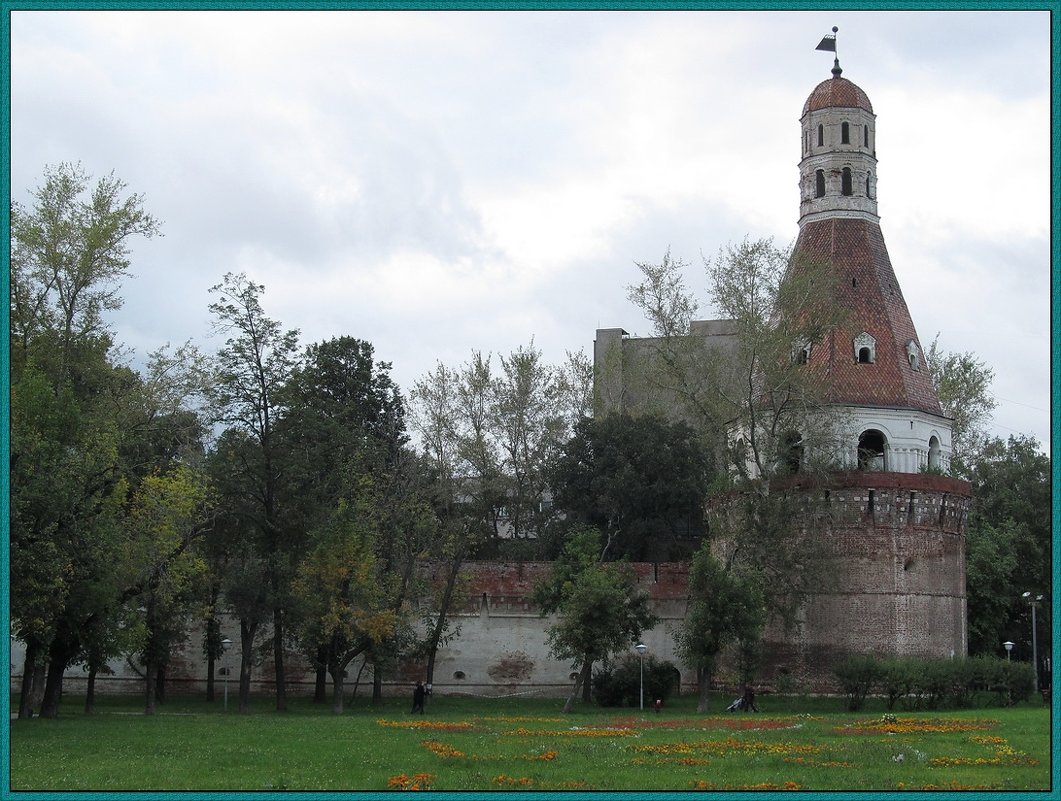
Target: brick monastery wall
897,586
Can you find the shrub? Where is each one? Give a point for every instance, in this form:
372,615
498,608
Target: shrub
897,679
618,682
858,675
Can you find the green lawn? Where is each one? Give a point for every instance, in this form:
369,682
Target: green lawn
478,744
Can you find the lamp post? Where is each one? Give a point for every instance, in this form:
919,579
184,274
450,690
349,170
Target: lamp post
225,643
1034,602
641,648
1009,647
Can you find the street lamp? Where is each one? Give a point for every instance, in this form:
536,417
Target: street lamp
641,648
225,643
1034,602
1009,647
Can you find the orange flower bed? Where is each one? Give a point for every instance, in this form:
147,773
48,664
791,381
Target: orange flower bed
441,749
700,784
576,732
419,781
433,725
733,724
893,725
728,746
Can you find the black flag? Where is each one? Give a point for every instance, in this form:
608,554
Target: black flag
827,43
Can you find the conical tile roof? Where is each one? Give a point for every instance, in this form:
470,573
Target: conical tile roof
873,303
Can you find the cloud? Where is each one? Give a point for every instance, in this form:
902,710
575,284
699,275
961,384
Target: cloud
438,182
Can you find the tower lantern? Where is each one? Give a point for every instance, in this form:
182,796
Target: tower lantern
875,363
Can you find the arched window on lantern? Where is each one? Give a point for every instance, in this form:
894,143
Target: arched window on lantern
821,135
845,133
872,451
845,181
819,183
933,453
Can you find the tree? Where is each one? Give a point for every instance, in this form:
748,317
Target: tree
1009,543
68,255
257,360
640,480
963,384
599,608
724,607
763,412
344,606
70,410
166,515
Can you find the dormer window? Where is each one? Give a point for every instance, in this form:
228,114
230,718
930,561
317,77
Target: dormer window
913,355
865,348
801,353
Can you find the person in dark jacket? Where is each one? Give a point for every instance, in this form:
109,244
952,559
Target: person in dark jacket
418,698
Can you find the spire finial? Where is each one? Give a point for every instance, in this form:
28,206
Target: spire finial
829,43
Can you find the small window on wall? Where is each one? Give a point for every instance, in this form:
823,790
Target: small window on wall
867,186
845,134
821,135
845,181
933,453
819,183
865,135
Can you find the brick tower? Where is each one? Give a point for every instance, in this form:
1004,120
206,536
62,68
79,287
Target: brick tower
897,530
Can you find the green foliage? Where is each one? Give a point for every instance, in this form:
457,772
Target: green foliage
857,676
963,384
932,683
640,480
600,611
618,681
1008,545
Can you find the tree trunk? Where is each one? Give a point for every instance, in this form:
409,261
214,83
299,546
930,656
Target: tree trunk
29,671
213,635
63,648
587,682
40,674
53,688
703,678
377,685
90,689
246,641
320,685
580,681
160,682
278,658
210,679
338,674
443,611
150,685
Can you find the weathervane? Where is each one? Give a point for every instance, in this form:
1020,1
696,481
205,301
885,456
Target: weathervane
828,42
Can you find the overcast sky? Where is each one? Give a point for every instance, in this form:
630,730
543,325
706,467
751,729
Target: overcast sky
438,182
